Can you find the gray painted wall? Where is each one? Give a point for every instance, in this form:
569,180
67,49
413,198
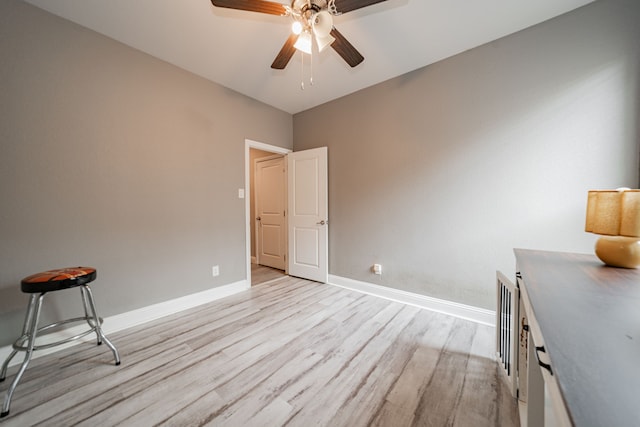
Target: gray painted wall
114,159
111,158
438,174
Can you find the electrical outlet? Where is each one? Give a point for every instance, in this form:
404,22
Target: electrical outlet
377,269
215,271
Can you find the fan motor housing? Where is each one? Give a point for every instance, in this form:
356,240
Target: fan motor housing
308,8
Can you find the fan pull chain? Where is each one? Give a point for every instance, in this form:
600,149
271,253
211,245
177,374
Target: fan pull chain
311,70
302,72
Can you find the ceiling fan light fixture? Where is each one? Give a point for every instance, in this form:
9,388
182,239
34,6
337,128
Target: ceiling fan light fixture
324,42
296,27
322,23
299,4
303,44
313,19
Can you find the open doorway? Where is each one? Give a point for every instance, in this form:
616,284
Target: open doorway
268,227
307,211
268,205
268,211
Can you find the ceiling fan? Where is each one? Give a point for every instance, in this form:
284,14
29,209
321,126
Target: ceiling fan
312,19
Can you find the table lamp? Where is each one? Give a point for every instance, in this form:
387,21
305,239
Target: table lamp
615,214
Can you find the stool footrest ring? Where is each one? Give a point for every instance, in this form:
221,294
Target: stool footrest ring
19,344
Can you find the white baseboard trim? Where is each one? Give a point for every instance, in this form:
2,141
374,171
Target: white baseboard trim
132,318
462,311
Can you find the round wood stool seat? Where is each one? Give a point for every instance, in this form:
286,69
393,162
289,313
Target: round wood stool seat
37,285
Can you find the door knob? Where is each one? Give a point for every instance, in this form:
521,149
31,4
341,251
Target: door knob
323,222
258,219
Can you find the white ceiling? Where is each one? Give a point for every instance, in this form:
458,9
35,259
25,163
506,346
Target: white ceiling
236,48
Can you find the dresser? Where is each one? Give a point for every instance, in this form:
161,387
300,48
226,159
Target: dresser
582,319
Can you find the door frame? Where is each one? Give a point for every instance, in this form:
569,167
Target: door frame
248,145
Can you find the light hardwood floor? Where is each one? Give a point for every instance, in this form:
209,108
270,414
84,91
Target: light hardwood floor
288,352
263,274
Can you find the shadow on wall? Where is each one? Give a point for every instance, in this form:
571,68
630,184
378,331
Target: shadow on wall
13,304
12,299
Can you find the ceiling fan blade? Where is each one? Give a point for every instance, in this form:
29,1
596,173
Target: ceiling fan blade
344,6
285,54
345,49
261,6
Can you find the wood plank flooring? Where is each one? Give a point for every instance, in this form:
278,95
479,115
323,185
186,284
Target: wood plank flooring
288,352
262,274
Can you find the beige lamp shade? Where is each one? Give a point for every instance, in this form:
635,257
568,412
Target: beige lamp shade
613,212
591,210
605,212
616,215
630,214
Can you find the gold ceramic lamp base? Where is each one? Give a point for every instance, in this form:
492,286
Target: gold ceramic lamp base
619,251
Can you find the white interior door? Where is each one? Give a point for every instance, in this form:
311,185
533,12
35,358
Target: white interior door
270,210
308,220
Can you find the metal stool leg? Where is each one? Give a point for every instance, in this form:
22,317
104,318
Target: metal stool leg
5,365
25,329
31,328
90,318
96,320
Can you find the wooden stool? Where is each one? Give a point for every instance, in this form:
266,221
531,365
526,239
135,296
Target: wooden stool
38,285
